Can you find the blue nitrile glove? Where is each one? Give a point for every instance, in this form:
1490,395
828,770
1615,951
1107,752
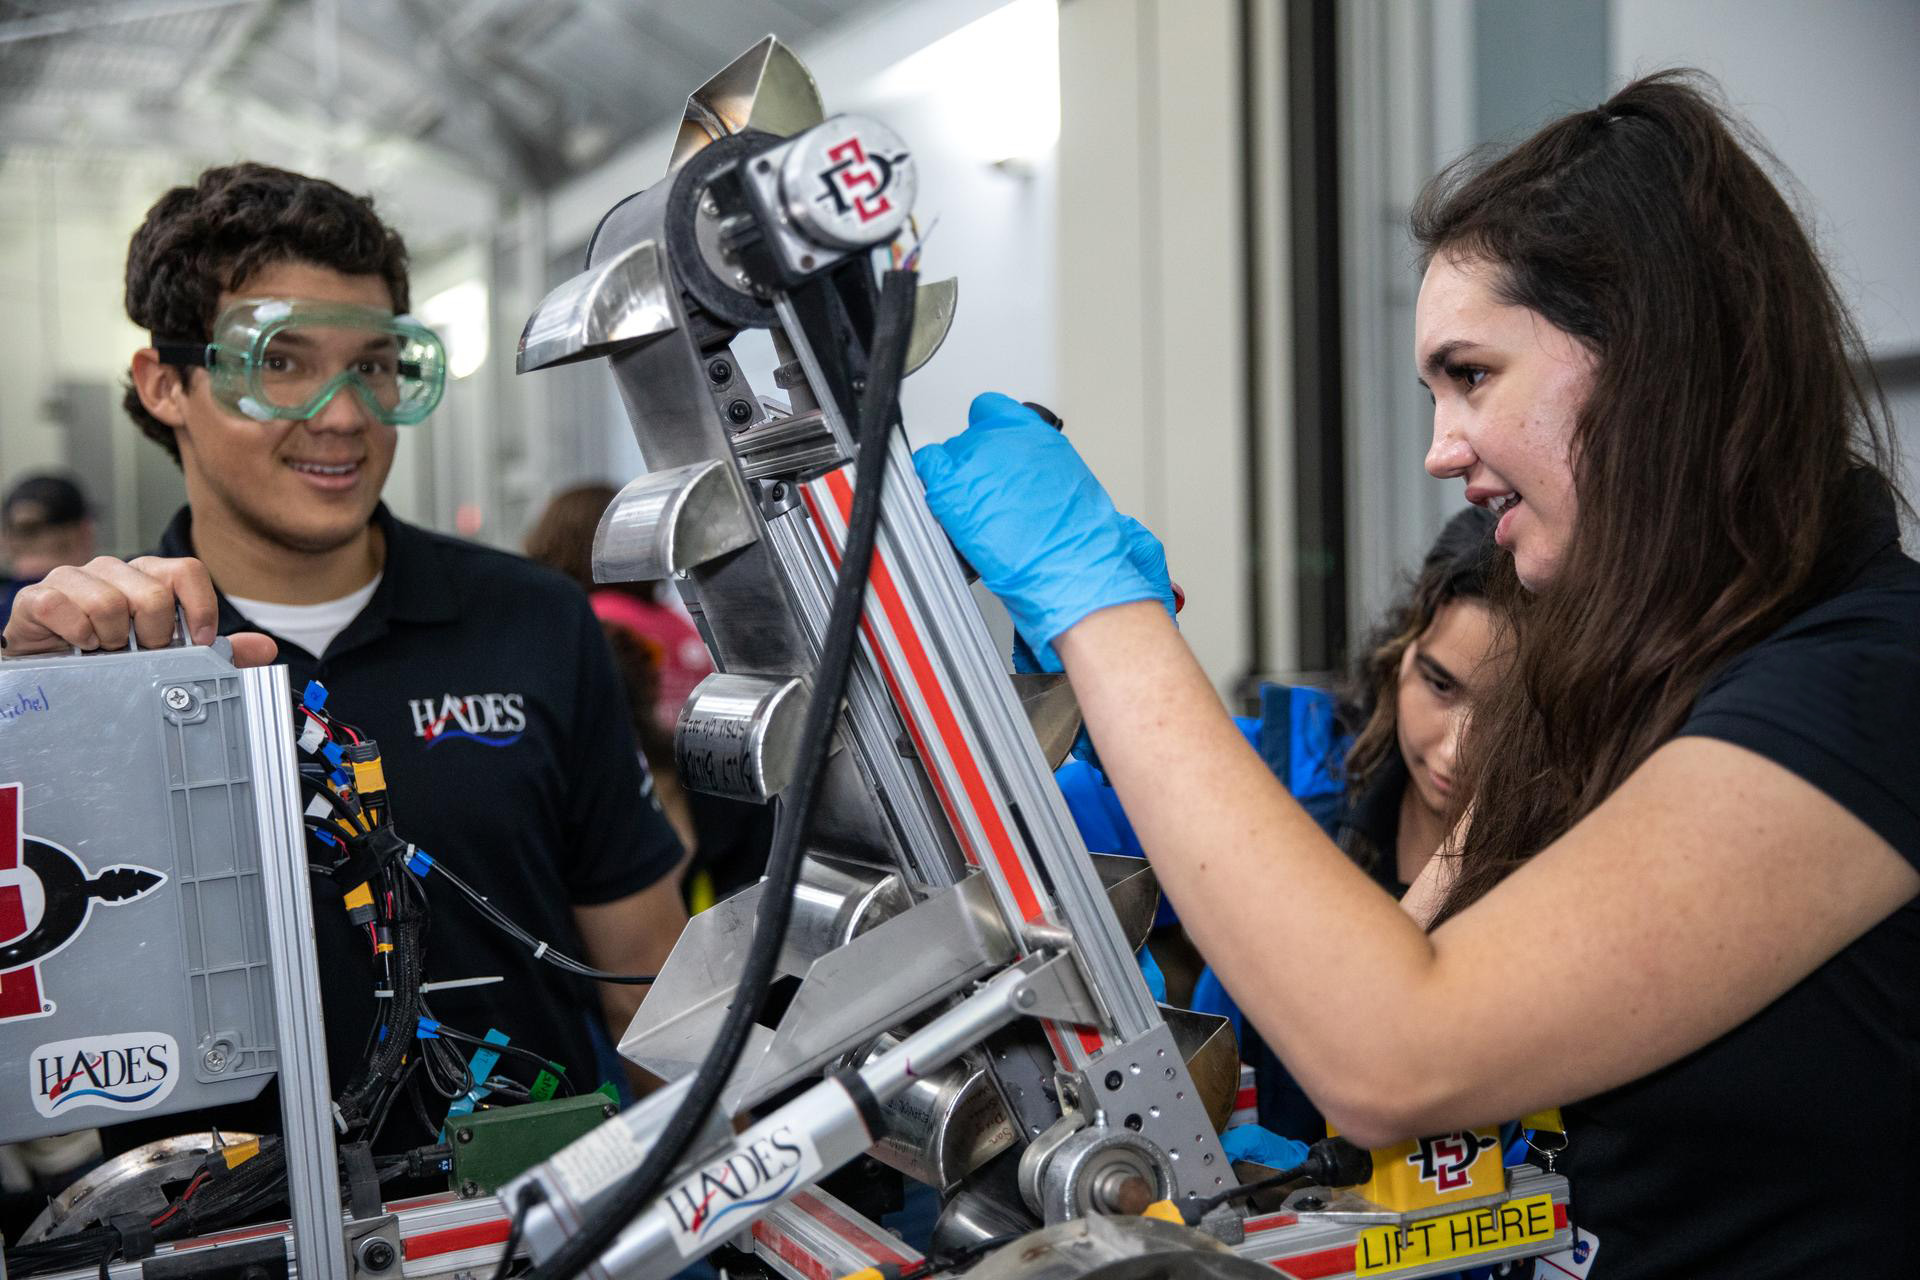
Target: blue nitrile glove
1262,1146
1029,516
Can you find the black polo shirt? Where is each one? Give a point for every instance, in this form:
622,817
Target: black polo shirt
509,757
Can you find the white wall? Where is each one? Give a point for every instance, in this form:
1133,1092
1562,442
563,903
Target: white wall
1154,271
1834,88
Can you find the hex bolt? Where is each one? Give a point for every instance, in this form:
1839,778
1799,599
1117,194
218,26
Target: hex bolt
719,372
177,697
1114,1081
463,1135
739,412
375,1254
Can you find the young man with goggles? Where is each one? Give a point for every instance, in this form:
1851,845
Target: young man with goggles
282,363
287,358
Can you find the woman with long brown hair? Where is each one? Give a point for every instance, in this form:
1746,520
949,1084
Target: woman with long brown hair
1681,898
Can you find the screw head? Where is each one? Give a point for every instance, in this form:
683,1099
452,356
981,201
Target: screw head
177,697
470,1189
215,1059
1114,1080
739,412
1027,998
609,1111
376,1254
463,1135
719,372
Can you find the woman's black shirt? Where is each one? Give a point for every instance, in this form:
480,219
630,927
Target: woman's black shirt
1791,1145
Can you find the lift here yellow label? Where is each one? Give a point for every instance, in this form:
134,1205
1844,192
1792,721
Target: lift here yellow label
1381,1250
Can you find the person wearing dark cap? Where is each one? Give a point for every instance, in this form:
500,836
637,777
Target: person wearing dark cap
45,522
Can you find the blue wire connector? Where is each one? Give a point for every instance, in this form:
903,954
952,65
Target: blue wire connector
314,696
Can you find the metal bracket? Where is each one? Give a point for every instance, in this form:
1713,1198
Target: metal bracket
666,522
373,1248
599,311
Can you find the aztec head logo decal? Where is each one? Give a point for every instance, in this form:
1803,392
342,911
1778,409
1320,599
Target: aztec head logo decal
1447,1161
46,899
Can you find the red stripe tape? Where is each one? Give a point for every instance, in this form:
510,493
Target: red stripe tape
474,1235
887,594
875,1249
789,1251
1310,1266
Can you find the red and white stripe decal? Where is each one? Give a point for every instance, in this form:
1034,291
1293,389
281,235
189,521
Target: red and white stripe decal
431,1244
884,593
789,1251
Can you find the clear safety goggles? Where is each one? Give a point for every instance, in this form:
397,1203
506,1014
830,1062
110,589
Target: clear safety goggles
277,358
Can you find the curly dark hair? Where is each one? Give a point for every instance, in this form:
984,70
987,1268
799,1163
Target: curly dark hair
210,238
1456,567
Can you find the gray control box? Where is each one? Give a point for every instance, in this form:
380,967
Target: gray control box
134,955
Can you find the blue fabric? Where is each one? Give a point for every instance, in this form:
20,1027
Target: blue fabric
1103,823
1297,735
1210,997
1025,511
1156,980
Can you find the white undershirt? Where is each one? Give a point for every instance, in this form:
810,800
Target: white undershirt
311,626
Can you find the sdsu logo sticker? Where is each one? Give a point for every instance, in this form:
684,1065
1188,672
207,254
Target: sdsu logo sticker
490,719
131,1072
858,181
1447,1161
46,899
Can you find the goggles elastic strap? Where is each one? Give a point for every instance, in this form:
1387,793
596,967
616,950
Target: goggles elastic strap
185,355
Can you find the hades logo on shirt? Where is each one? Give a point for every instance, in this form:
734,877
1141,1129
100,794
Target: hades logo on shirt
131,1072
1447,1161
490,719
46,898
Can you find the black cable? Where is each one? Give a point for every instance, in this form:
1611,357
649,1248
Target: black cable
516,1231
878,410
1330,1162
541,950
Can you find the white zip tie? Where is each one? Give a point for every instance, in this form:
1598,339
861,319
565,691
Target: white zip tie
319,808
540,951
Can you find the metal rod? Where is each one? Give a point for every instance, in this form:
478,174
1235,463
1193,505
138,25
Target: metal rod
306,1094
